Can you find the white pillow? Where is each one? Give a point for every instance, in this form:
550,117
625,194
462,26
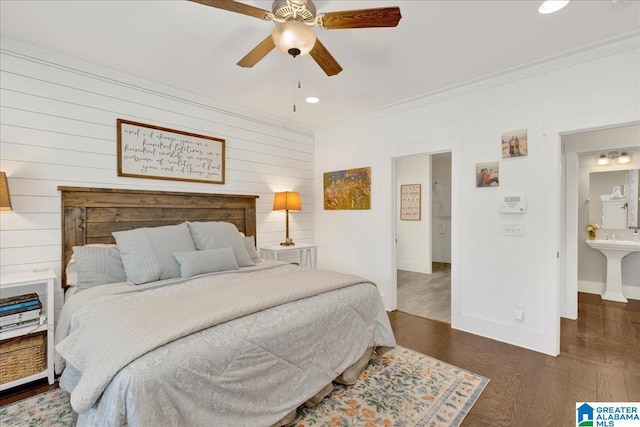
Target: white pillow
250,244
217,235
147,253
208,261
96,265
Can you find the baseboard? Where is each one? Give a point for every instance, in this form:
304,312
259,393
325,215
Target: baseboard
413,266
597,288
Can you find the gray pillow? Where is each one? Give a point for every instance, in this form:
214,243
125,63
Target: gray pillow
97,265
217,235
208,261
250,244
147,253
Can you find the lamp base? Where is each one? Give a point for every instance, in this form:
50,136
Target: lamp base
287,242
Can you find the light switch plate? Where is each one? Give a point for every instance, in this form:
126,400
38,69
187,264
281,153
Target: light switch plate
513,230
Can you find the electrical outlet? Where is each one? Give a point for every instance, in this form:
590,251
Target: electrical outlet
518,313
513,229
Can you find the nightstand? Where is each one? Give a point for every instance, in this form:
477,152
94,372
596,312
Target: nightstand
308,253
42,283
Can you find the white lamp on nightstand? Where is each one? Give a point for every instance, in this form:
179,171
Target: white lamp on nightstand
287,201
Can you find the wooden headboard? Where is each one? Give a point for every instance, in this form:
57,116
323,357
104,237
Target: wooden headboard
90,215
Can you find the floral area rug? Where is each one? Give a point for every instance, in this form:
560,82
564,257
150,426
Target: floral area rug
49,409
401,388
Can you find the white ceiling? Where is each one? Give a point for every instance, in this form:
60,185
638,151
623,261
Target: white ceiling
438,44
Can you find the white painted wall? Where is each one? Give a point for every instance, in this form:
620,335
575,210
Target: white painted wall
491,273
59,128
413,250
591,267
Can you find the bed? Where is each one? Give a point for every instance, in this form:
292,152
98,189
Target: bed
197,330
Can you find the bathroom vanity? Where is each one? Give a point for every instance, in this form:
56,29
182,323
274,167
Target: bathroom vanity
614,251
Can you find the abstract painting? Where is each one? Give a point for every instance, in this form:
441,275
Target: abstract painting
347,189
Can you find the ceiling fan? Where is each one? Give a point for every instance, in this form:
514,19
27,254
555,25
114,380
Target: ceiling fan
294,32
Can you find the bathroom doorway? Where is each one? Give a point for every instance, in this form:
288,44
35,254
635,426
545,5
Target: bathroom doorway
423,247
585,268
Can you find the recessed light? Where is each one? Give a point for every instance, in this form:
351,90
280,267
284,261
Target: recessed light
552,6
312,100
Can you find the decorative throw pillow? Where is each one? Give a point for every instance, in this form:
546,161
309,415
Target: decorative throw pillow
71,272
207,261
95,265
147,253
217,235
249,243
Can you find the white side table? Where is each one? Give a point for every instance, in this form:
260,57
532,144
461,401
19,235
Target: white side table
308,253
42,283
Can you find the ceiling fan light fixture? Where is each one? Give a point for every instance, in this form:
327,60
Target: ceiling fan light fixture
552,6
294,38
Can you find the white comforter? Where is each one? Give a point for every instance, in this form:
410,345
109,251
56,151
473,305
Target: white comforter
157,356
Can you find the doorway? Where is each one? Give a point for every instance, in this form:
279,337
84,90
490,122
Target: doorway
423,246
584,268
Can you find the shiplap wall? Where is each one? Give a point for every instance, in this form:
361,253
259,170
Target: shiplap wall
58,127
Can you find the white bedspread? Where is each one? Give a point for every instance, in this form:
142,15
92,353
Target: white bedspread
102,341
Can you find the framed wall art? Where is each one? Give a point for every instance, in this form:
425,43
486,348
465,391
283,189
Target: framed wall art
410,209
147,151
515,144
347,189
487,174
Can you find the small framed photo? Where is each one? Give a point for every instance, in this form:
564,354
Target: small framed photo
487,174
515,144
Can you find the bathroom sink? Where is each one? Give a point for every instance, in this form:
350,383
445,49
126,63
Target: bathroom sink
616,245
614,251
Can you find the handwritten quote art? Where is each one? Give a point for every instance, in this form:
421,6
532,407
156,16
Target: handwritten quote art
410,202
146,151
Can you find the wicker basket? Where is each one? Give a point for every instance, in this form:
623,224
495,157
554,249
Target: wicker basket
22,356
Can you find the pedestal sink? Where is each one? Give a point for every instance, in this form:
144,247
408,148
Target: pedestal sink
614,250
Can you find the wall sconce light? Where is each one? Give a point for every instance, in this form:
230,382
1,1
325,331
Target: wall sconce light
5,198
605,159
287,201
624,157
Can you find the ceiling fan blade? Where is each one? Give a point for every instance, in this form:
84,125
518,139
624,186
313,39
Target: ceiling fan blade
257,53
234,6
325,60
361,18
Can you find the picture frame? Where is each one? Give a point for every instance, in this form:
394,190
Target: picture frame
514,144
348,189
155,152
487,175
410,202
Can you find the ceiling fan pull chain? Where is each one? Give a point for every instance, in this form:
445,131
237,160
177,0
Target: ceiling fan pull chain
294,84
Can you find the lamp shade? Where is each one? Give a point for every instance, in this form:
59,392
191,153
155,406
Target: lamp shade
287,200
294,38
5,199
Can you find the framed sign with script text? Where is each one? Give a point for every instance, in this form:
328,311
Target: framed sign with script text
410,202
146,151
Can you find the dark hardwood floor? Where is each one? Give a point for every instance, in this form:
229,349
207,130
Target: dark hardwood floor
600,361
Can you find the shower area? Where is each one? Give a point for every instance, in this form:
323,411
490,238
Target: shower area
441,226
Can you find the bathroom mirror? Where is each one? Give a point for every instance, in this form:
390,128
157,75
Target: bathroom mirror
613,198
